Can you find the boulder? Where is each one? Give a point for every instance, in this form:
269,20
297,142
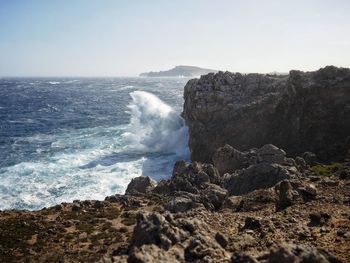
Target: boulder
262,175
285,198
271,154
227,159
307,191
183,202
213,196
189,178
141,184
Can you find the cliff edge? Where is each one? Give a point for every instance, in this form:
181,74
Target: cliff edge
299,112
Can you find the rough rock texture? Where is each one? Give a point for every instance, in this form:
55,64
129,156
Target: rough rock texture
299,254
227,159
141,184
303,111
182,239
258,176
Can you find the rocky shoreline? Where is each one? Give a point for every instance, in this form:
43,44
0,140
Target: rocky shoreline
236,202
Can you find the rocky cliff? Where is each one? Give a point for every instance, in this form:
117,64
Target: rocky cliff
302,111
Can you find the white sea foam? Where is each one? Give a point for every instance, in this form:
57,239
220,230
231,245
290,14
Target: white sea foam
155,126
92,163
54,82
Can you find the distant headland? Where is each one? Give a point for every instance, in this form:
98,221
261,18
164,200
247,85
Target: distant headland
179,71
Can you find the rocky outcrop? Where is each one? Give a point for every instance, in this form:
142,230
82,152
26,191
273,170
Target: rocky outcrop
299,112
141,184
160,237
262,175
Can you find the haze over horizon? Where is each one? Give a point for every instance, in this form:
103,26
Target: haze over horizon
125,38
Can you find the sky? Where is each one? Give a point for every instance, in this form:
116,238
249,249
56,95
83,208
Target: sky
124,38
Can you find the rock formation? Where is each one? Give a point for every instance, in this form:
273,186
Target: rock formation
265,208
299,112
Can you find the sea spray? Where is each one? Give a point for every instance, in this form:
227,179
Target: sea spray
155,126
72,141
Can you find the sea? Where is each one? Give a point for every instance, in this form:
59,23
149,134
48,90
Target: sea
65,139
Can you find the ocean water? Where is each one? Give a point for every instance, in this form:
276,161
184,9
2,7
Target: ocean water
63,139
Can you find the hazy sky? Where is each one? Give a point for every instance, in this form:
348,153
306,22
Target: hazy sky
124,38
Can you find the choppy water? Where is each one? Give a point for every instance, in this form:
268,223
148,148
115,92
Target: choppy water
65,139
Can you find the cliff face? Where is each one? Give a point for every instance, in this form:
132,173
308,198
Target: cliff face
303,111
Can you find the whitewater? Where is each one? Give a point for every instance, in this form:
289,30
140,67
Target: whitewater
68,139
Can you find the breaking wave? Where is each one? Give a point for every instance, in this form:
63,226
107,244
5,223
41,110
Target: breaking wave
155,126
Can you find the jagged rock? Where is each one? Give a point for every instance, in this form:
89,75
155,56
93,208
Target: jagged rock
203,249
189,178
156,229
262,175
183,202
180,167
152,253
298,112
141,184
233,202
308,192
285,195
300,254
301,163
213,196
227,159
271,154
191,238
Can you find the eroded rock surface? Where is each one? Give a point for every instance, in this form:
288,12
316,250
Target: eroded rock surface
299,112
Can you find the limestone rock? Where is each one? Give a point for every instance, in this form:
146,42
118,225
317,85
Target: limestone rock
141,184
183,202
189,178
214,196
298,112
227,159
271,154
164,235
262,175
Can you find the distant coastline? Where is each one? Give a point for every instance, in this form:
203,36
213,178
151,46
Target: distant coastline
179,71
